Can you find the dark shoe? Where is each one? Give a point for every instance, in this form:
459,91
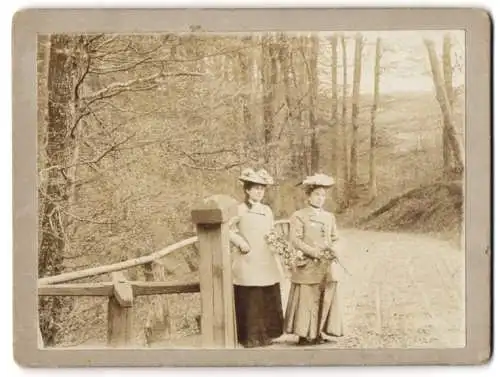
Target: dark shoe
321,340
305,342
250,344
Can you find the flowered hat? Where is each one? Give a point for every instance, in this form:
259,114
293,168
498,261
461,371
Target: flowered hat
318,180
260,177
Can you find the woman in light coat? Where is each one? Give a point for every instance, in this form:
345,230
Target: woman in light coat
256,273
314,306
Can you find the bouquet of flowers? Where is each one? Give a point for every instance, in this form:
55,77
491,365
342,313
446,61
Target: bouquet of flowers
328,253
289,255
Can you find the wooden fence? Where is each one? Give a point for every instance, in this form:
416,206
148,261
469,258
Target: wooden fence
212,220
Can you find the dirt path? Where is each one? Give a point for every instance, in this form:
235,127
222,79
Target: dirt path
419,282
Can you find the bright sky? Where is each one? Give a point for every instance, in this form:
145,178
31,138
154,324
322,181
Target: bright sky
404,59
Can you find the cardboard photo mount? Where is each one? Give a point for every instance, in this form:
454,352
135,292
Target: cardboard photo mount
476,23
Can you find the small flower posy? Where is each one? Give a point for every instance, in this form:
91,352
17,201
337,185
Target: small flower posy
328,254
289,255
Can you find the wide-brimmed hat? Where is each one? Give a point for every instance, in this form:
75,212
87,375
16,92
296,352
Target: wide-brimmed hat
317,180
261,177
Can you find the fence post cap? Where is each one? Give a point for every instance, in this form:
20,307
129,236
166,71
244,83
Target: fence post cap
215,209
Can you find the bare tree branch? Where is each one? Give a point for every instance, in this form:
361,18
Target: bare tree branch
106,42
147,52
111,149
94,38
119,87
130,110
198,58
94,161
82,77
86,109
124,63
218,151
219,168
120,69
295,107
87,220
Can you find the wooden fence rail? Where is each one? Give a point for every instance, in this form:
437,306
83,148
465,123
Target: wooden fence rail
122,294
101,270
212,217
139,288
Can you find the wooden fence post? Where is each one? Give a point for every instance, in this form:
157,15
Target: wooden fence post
211,218
157,325
39,336
120,312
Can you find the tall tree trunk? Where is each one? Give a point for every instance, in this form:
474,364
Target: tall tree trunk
285,54
57,192
253,117
274,163
305,108
336,131
448,82
448,69
81,87
295,94
442,98
43,57
267,87
313,99
372,183
355,112
345,149
247,78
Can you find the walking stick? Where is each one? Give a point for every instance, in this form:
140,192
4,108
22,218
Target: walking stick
343,267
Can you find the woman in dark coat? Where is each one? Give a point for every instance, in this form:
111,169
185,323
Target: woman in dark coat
256,273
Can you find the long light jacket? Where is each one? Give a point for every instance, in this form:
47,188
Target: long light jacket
259,267
311,229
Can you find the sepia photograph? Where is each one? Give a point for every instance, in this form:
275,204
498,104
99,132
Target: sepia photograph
266,190
251,190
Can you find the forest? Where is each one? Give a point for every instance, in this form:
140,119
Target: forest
134,129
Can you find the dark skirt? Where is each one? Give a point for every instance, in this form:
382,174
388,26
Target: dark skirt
259,314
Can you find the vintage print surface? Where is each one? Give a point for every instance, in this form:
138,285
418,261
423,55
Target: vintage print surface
251,190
